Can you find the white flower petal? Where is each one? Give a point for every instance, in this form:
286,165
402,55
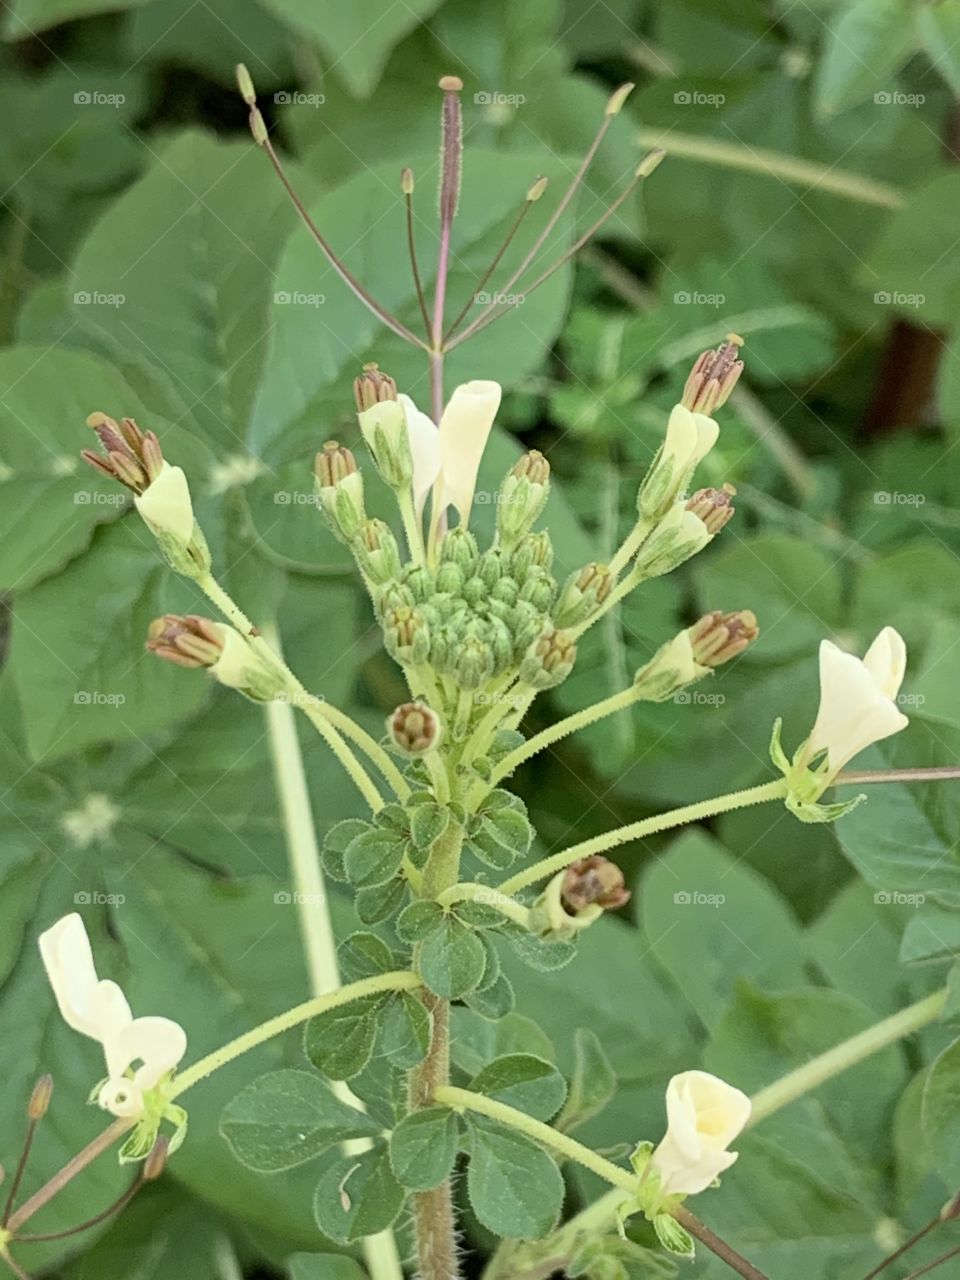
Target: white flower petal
704,1115
856,698
424,438
165,504
464,430
121,1097
886,660
86,1004
152,1046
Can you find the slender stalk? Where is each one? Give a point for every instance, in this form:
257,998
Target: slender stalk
102,1142
118,1204
367,744
17,1178
932,1266
905,1247
646,827
358,775
630,545
843,1056
937,773
412,249
399,980
451,159
412,527
567,1147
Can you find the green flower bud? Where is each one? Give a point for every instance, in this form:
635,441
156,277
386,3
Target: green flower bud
671,669
394,596
339,488
384,427
501,643
450,578
459,547
522,497
473,664
506,591
419,582
678,536
377,552
407,636
538,589
582,595
549,660
533,551
414,729
490,569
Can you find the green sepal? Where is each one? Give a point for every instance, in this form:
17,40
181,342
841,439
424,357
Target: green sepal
808,811
673,1237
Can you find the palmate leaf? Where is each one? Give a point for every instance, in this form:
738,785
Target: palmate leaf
515,1187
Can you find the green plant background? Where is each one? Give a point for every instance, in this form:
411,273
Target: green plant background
153,268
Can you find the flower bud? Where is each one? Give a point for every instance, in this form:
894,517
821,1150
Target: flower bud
582,595
131,456
689,438
718,637
414,729
377,552
156,1161
678,536
713,507
538,589
549,660
713,377
473,663
339,487
522,497
373,387
384,427
40,1098
406,636
189,641
593,881
671,669
450,579
420,583
193,641
459,547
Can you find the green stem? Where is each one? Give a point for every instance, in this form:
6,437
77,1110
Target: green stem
472,892
367,744
358,775
547,737
412,527
623,588
646,827
845,1055
400,980
631,545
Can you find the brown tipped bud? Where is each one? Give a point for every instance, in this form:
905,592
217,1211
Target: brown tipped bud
951,1209
373,387
406,182
713,507
533,466
245,85
713,377
618,98
156,1161
650,162
333,464
40,1098
549,660
131,456
594,881
718,637
450,84
597,579
537,190
414,728
189,641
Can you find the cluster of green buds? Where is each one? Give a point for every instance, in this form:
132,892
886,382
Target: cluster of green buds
192,641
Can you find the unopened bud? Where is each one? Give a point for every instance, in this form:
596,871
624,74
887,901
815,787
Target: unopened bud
377,552
192,641
189,641
40,1098
535,551
450,84
671,669
594,881
406,182
718,637
549,660
537,189
582,595
678,536
156,1161
713,507
131,456
618,98
523,495
258,126
951,1209
245,85
414,728
459,547
689,438
473,663
339,487
538,589
406,635
713,377
650,161
373,386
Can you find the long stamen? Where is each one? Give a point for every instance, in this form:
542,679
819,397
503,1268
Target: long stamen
451,159
532,196
644,170
406,183
259,130
614,104
36,1110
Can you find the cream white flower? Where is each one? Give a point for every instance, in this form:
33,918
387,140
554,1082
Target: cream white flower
446,459
704,1115
689,438
858,698
165,504
139,1052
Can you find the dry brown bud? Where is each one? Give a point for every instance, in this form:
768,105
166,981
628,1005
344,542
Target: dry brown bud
373,387
131,456
189,641
414,728
718,637
713,507
594,881
40,1098
333,464
714,376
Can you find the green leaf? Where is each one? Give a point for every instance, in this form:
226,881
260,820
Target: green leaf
357,1196
364,955
419,920
493,1002
336,843
912,257
452,960
340,1042
286,1118
324,1266
501,837
427,824
593,1083
941,1113
672,1236
27,17
865,48
939,27
405,1031
379,902
523,1081
515,1187
423,1148
373,857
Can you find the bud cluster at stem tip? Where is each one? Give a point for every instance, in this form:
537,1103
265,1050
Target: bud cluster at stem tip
717,637
713,377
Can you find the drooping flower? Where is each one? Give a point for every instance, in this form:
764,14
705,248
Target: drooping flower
857,699
446,459
704,1115
139,1052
